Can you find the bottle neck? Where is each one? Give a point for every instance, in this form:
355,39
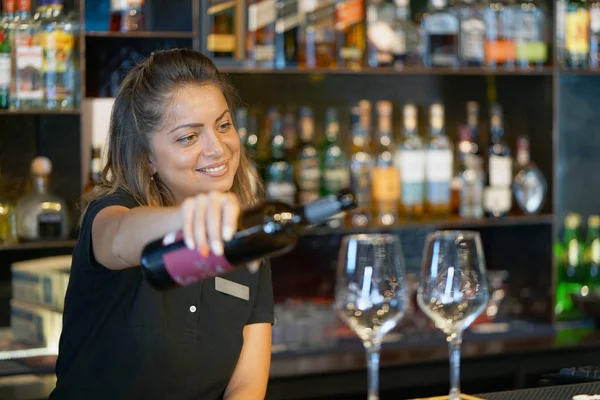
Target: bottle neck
40,184
523,157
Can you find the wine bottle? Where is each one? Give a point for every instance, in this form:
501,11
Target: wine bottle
268,229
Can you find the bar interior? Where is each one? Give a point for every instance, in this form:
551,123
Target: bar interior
474,115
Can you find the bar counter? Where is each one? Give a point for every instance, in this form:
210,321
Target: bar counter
413,366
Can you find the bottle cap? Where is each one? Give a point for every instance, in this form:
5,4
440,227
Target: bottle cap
572,221
594,221
41,166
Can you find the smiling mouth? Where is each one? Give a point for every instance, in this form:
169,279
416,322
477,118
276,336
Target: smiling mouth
215,170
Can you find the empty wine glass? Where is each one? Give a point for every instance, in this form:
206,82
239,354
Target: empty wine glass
371,293
453,290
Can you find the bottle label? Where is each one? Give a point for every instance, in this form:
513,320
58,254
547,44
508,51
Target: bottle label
472,32
595,251
595,20
29,65
500,50
261,15
577,35
361,185
500,171
288,17
335,180
220,42
412,166
412,193
439,166
264,52
49,225
497,199
573,252
438,192
96,165
442,24
4,70
349,13
58,48
386,184
186,266
310,176
283,191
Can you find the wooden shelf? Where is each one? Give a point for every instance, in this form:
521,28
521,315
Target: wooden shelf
545,71
578,71
55,244
142,34
75,111
451,223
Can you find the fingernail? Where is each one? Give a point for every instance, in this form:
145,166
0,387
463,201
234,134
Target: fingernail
217,248
189,243
227,234
253,266
204,252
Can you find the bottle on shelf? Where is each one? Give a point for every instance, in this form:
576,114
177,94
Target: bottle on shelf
8,219
350,33
280,173
317,38
222,38
529,185
530,37
265,230
58,45
27,90
8,14
386,177
127,16
592,252
410,162
472,181
308,173
472,33
439,165
577,35
241,123
40,11
260,38
497,195
287,27
290,132
42,215
500,46
251,147
594,9
361,164
570,274
95,174
440,35
560,24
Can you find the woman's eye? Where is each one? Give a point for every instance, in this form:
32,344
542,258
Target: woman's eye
188,139
224,127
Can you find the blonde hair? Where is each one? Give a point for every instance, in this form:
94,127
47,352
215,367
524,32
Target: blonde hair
139,110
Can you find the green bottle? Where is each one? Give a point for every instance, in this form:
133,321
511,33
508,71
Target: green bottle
571,271
335,173
592,253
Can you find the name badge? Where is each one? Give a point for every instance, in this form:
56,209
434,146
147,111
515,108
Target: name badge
232,288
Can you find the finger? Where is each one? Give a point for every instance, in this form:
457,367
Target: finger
253,266
200,224
187,215
214,212
231,213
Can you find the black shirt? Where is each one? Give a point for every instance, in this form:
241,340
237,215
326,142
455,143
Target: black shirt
122,339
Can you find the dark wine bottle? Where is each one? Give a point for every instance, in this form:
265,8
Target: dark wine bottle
268,229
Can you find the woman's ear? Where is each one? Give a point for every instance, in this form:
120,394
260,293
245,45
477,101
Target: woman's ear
151,164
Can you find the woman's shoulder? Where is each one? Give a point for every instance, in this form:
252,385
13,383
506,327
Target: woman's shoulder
120,197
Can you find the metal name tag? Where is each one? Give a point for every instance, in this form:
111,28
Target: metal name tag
232,288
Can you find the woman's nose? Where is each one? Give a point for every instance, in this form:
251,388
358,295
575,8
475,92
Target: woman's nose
213,146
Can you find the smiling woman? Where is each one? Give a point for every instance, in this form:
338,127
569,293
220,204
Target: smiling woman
174,162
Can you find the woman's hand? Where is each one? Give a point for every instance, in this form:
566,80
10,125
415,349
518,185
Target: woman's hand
209,220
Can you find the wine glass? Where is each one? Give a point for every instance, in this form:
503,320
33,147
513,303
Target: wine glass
371,293
453,290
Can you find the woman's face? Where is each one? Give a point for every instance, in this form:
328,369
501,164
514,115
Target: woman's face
198,149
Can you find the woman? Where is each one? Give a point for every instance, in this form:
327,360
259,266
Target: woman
174,162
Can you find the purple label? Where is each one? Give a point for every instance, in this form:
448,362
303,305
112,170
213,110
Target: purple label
187,266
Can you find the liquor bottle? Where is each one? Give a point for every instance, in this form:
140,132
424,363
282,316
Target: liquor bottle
570,267
317,46
472,33
471,187
361,163
309,175
241,123
266,230
95,174
27,61
8,219
58,68
439,163
40,11
280,174
500,46
41,215
127,16
592,252
287,27
260,38
498,195
334,165
386,177
594,9
251,138
440,30
473,125
560,25
350,33
529,185
532,49
8,13
290,132
222,40
410,161
577,35
392,37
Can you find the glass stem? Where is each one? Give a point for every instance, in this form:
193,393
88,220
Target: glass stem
373,350
454,342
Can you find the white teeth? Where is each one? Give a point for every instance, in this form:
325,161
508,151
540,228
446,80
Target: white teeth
217,169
